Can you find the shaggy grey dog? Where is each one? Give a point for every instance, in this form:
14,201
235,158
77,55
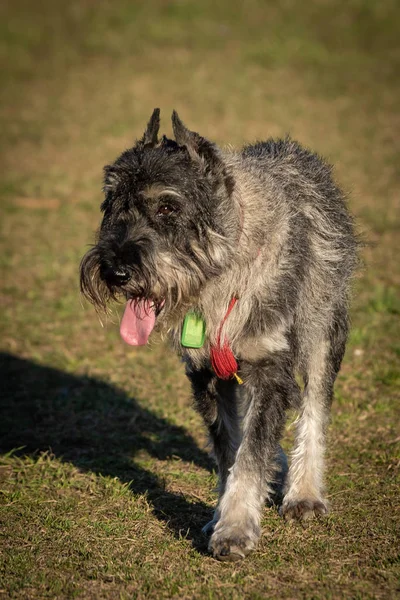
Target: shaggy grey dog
244,258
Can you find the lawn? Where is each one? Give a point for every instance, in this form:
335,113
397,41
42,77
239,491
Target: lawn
105,479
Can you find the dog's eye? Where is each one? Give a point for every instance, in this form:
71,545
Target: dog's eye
165,209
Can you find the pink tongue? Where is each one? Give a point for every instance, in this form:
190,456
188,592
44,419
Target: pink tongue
137,322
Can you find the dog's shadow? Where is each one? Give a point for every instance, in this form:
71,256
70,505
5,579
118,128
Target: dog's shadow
100,429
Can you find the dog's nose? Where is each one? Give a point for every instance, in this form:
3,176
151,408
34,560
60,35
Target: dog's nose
115,275
121,275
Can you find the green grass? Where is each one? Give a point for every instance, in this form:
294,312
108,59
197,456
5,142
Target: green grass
105,481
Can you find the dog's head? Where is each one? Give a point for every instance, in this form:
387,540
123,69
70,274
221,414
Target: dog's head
167,226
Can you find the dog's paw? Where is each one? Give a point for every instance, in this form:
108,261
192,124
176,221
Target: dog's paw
303,509
232,542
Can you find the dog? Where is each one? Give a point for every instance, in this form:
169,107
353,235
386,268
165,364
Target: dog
244,258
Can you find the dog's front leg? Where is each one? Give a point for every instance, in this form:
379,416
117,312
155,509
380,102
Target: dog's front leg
269,387
216,400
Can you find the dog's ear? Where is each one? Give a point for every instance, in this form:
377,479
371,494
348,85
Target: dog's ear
150,137
203,151
196,145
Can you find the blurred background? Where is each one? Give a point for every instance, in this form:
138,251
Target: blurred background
79,80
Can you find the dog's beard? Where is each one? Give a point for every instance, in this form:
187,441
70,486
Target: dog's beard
92,285
167,285
173,292
165,289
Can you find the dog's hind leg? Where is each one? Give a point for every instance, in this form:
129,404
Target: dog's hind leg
304,494
216,401
269,388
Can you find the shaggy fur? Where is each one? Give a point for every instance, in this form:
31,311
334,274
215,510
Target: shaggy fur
191,226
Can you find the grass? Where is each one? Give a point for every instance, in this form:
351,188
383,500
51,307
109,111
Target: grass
105,481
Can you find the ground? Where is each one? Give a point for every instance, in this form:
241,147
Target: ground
105,480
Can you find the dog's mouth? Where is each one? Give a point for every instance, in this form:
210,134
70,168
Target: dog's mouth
139,319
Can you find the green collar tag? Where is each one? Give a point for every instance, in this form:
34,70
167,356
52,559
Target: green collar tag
193,331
